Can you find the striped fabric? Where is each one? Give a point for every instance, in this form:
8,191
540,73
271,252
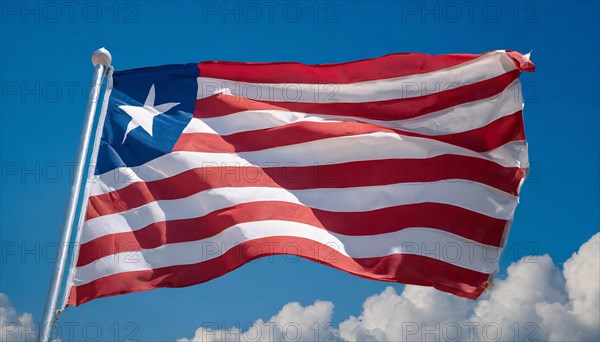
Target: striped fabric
404,168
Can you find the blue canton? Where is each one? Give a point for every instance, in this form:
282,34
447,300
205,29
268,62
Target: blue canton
121,146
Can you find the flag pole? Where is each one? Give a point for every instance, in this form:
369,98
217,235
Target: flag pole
101,59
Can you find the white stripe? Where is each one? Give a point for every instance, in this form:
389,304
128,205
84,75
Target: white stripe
364,147
488,66
461,118
428,242
470,195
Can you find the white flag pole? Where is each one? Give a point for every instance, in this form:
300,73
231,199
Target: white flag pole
101,59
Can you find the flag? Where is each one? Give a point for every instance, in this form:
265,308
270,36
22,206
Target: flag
404,168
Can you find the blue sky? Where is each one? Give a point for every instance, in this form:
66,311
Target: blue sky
45,68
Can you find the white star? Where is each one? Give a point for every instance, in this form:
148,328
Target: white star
144,116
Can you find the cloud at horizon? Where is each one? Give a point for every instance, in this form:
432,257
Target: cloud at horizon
536,301
15,326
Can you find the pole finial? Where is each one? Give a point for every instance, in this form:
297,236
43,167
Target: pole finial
101,56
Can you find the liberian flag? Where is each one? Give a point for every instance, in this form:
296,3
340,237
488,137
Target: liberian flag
404,168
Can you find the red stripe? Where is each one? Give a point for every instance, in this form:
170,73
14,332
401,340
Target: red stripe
390,66
397,109
403,268
522,63
456,220
353,174
495,134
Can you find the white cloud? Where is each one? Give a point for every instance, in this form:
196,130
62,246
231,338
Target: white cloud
293,323
15,327
537,301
